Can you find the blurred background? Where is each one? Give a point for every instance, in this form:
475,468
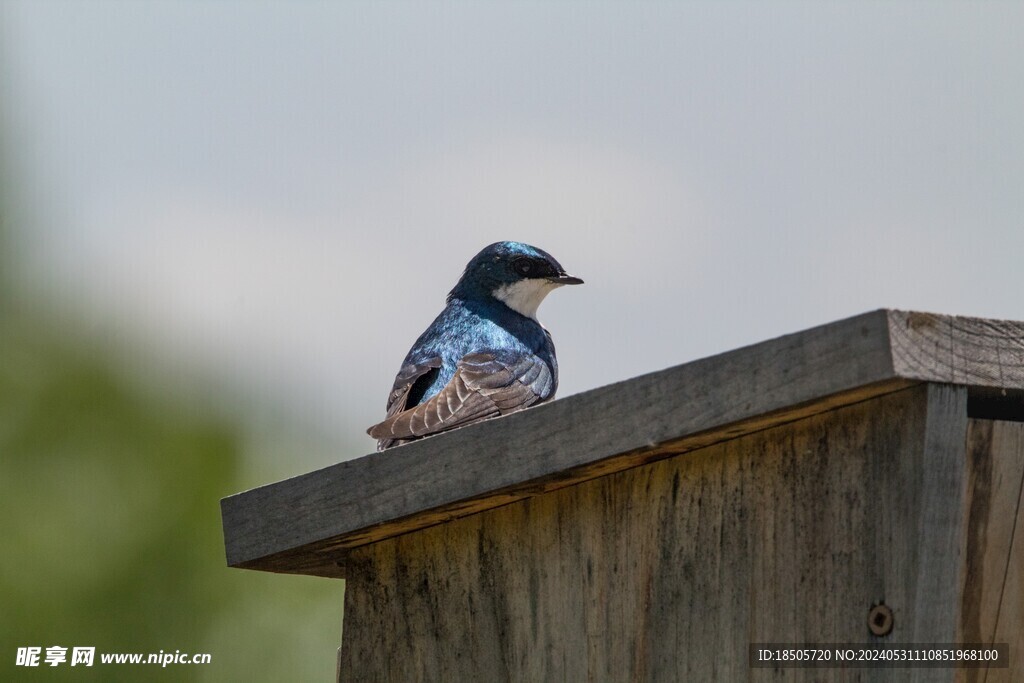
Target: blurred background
224,224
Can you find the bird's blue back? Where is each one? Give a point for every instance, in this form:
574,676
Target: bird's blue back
479,326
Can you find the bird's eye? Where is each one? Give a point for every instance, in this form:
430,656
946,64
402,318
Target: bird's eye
523,266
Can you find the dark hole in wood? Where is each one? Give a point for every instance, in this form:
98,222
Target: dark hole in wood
880,620
986,403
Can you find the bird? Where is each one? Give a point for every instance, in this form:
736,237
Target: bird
485,355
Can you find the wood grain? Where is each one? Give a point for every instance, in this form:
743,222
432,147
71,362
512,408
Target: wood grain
992,591
939,529
975,352
307,524
667,571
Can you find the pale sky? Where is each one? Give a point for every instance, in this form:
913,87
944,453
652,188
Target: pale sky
283,193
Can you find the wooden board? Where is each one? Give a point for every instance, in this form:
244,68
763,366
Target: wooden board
668,571
977,352
992,592
305,524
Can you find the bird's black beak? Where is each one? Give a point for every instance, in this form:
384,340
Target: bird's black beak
565,279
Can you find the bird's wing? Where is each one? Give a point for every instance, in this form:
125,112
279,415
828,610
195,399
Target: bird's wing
483,386
407,377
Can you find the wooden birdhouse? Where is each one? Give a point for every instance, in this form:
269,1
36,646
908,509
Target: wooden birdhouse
856,483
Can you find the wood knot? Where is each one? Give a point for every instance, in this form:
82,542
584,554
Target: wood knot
916,320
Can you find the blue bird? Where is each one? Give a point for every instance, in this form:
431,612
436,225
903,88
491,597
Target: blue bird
485,355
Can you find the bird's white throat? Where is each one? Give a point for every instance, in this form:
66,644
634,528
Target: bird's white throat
524,297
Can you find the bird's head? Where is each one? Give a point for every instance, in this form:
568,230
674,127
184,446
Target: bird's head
518,275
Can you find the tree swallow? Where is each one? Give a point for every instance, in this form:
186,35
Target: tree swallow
485,355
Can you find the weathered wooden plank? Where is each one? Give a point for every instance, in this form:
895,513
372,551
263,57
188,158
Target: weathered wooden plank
667,571
303,525
992,590
939,532
957,350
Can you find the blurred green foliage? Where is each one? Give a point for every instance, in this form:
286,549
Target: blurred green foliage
110,534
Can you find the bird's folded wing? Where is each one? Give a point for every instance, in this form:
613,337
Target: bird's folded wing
408,376
483,386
